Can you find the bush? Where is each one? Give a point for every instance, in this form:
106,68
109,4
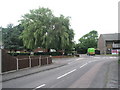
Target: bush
16,54
48,53
37,53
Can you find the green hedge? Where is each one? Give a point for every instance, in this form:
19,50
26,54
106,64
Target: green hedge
15,54
48,53
38,53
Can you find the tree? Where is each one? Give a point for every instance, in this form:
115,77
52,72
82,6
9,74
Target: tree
10,37
60,36
36,25
43,29
87,41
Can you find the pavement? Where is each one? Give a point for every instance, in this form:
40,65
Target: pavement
112,75
28,71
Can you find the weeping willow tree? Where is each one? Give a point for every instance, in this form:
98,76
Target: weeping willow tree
43,29
36,25
60,36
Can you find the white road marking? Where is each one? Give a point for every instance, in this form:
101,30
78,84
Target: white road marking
70,62
83,65
96,57
93,61
75,60
66,74
79,59
40,86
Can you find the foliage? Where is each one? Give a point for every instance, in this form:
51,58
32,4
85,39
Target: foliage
48,53
43,29
60,37
89,40
36,53
36,24
10,36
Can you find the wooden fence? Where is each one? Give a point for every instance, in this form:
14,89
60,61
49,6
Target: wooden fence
10,63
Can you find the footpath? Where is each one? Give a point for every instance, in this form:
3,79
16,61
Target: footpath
113,75
29,71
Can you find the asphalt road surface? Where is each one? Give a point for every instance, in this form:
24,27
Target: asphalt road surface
83,72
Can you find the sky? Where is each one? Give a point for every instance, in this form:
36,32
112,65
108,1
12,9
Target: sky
86,15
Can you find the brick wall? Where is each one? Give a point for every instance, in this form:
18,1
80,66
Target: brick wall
101,45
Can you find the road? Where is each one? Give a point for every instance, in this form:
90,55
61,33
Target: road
82,72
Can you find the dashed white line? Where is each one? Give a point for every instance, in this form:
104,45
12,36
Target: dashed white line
66,74
79,59
96,57
93,61
75,60
40,86
70,62
83,65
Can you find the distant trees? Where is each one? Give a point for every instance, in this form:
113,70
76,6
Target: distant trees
88,40
43,29
10,37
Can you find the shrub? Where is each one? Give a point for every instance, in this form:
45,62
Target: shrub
36,53
48,53
15,54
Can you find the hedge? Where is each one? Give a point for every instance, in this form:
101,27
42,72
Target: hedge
15,54
48,53
38,53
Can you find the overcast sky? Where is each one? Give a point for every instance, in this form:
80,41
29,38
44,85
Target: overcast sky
86,15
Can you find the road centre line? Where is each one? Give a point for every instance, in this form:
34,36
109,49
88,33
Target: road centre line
70,62
87,63
83,65
97,57
66,74
93,61
75,60
79,59
39,86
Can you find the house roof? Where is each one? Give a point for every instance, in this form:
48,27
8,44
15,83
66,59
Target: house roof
115,36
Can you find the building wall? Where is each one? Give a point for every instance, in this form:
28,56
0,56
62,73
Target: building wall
108,42
109,46
101,45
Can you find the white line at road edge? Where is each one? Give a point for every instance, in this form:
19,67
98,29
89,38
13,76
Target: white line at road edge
66,74
40,86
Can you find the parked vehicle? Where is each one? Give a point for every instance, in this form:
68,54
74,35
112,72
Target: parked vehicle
91,51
